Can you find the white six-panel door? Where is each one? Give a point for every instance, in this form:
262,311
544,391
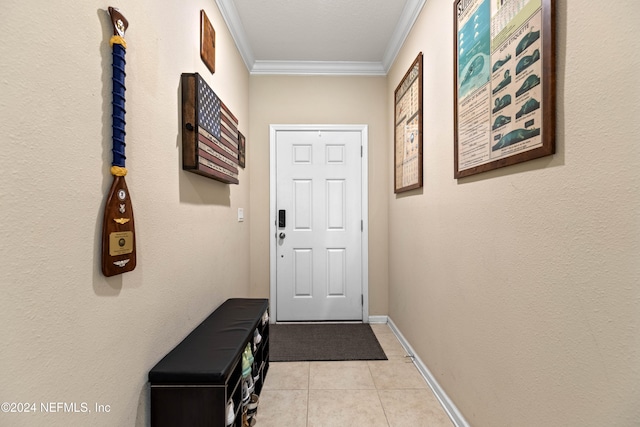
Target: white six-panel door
319,247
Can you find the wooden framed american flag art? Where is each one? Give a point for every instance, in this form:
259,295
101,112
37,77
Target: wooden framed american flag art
209,132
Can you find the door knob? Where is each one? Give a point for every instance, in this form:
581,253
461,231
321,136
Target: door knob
282,235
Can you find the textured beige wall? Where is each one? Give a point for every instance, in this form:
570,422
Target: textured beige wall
68,333
319,100
520,288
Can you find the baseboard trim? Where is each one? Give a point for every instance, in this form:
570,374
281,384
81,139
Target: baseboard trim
378,319
447,404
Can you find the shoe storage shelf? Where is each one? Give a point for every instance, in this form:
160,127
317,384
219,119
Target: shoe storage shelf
200,382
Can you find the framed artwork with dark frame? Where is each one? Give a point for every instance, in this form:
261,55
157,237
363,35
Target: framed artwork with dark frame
505,83
407,133
207,42
241,149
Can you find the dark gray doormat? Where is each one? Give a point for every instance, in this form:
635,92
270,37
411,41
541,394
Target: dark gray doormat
323,341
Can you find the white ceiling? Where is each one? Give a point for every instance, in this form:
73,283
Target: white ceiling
345,37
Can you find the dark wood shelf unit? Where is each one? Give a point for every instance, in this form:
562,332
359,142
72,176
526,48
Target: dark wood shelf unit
193,384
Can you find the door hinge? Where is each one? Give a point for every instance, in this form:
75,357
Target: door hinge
361,151
362,300
361,225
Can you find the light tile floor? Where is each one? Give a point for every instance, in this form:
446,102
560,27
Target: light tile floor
345,394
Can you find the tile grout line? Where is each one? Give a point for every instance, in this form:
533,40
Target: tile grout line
384,411
308,392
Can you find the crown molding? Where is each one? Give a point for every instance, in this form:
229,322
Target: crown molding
234,23
405,23
408,17
342,68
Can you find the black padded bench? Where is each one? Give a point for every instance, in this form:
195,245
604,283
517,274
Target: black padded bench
195,382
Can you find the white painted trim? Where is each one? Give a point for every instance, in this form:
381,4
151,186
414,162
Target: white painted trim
343,68
272,222
234,23
408,17
447,404
378,319
364,133
405,23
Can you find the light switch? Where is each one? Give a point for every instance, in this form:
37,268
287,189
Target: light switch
240,215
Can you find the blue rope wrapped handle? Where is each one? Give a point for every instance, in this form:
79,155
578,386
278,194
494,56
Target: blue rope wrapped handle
118,122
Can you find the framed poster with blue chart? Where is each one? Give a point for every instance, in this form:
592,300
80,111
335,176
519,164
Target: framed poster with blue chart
504,83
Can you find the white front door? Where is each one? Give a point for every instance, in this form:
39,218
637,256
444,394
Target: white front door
319,224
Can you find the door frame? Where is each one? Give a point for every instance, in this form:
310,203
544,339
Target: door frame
364,137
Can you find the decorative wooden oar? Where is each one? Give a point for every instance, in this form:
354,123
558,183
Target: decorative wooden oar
118,233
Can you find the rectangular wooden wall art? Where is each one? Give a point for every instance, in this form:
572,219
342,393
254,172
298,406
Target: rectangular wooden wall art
209,132
207,42
504,92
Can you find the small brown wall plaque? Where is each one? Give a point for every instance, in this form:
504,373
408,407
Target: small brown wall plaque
207,42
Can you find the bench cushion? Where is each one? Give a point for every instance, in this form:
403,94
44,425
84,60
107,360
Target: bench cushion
208,354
